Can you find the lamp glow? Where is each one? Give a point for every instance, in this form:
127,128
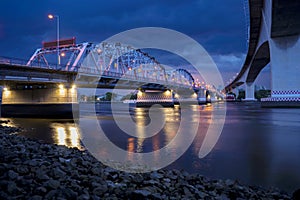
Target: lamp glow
50,16
140,93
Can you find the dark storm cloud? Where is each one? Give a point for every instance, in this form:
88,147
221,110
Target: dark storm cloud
216,24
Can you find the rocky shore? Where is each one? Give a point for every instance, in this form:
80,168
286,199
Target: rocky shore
34,170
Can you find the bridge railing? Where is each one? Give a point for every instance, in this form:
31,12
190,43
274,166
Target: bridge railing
12,61
21,62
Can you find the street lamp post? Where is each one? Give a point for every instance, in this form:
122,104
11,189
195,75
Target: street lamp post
50,16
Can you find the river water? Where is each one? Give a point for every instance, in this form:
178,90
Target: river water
257,146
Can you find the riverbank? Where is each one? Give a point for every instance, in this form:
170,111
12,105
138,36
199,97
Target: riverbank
31,169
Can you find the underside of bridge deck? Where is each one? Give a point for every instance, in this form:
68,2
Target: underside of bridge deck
285,18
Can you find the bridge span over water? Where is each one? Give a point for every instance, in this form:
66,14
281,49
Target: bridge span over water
37,83
274,39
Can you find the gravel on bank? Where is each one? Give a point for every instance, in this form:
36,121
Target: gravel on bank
34,170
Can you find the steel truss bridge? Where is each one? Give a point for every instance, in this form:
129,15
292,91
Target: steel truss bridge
103,65
112,62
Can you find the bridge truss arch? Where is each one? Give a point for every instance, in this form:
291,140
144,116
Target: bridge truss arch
181,76
122,60
113,60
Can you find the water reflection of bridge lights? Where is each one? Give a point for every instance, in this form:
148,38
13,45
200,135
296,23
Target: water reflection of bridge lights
140,129
130,145
169,129
74,136
67,135
61,136
140,114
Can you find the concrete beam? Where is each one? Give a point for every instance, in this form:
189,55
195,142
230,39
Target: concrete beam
260,60
40,102
285,18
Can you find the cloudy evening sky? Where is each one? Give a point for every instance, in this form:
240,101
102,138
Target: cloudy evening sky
218,25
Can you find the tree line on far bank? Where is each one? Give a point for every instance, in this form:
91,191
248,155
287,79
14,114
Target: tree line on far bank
258,94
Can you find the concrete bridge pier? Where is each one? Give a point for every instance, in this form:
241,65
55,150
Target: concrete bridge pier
249,92
44,101
199,96
213,96
285,73
236,92
151,97
202,97
169,98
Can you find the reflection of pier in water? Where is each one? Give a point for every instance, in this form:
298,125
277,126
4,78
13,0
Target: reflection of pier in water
168,131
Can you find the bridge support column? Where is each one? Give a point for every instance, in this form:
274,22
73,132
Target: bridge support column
285,72
39,102
213,96
202,96
188,97
249,92
149,98
236,92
